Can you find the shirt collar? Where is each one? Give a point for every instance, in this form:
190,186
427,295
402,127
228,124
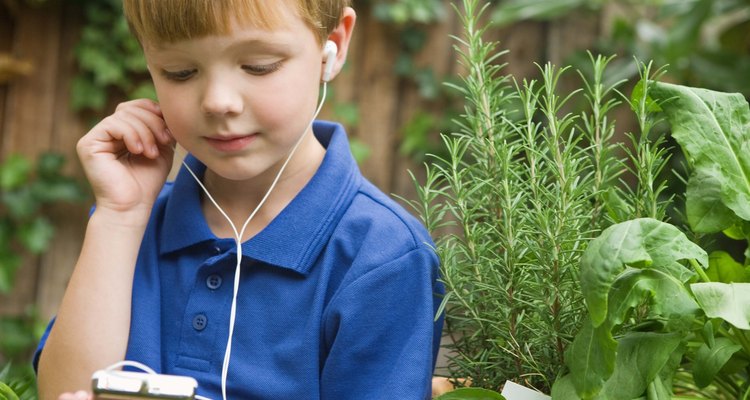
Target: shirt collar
297,235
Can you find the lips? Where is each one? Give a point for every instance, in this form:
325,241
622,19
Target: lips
231,143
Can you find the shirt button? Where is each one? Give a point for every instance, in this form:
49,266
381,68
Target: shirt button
213,281
217,250
199,322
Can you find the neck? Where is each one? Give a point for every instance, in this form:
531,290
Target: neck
240,199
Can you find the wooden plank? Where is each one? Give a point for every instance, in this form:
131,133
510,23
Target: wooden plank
378,87
439,55
27,128
57,263
28,125
6,44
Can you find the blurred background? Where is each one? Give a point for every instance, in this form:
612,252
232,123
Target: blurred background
65,64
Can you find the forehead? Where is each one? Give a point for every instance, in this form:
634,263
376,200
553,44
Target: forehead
171,21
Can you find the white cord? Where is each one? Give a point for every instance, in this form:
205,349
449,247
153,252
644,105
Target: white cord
134,364
241,233
142,367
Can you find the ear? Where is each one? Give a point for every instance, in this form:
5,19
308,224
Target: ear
342,35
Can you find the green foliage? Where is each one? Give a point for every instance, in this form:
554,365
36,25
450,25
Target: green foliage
523,188
17,387
109,59
471,394
652,291
26,189
703,41
409,11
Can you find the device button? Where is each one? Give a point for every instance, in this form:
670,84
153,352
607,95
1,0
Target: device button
213,281
199,322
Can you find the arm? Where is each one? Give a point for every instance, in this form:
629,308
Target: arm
126,158
381,334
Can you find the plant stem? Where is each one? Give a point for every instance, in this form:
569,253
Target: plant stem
699,269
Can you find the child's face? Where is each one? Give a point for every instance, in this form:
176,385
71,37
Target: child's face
239,102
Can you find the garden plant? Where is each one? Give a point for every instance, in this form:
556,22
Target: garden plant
532,177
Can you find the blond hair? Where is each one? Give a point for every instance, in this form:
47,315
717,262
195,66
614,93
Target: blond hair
156,21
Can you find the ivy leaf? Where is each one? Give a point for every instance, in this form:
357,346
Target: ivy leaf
728,301
639,243
712,129
36,234
709,360
519,10
14,172
9,262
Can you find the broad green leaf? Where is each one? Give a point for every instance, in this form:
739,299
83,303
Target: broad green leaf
668,298
640,357
563,389
471,394
591,358
723,268
639,243
739,231
728,301
703,206
709,360
712,129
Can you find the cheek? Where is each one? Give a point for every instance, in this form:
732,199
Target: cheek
291,97
175,108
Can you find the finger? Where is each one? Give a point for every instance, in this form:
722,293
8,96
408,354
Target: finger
150,114
114,132
144,134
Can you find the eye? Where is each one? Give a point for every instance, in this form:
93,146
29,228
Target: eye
179,75
262,69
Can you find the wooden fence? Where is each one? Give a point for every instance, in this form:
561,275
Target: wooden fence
35,114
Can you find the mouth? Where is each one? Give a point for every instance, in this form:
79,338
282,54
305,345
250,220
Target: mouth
231,143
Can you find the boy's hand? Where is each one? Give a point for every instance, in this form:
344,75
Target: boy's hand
80,395
127,156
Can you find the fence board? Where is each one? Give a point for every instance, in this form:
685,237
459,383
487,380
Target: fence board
57,263
27,126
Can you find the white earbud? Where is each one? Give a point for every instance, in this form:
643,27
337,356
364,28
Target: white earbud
329,51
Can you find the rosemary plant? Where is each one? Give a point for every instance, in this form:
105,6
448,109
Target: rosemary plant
524,187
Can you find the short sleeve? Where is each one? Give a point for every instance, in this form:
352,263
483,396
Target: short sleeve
381,334
42,342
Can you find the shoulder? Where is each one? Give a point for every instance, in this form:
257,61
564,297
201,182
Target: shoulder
379,229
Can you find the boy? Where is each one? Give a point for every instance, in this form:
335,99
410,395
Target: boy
337,285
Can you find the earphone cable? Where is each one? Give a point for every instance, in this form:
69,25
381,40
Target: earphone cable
239,234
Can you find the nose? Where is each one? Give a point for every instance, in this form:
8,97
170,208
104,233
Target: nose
220,97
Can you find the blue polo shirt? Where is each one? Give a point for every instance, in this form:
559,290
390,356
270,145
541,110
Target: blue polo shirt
337,295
